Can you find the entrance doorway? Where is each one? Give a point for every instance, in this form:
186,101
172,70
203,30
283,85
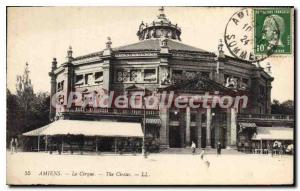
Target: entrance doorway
174,137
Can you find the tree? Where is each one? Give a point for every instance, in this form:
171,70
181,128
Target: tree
26,110
285,108
12,115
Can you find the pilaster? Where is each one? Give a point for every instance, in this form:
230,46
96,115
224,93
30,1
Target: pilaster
208,127
188,127
199,128
164,128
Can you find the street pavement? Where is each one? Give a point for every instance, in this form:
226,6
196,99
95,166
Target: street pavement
160,168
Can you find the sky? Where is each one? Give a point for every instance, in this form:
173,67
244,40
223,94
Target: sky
37,34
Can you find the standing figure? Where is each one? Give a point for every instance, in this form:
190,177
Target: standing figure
202,154
16,145
206,162
219,148
193,146
12,146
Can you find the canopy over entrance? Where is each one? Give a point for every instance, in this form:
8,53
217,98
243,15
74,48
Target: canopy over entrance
89,128
273,133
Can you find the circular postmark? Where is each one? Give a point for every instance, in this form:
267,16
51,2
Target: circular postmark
239,37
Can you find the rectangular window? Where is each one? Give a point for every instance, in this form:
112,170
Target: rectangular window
89,80
98,77
149,75
79,80
60,86
245,81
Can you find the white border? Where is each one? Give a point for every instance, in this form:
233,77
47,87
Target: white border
104,3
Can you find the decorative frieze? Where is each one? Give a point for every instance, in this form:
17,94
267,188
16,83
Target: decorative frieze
135,54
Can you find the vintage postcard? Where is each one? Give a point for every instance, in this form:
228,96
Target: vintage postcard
150,96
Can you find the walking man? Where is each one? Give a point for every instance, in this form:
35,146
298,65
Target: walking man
193,146
219,147
202,154
16,145
12,146
206,162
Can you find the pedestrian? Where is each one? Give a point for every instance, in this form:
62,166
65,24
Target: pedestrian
193,146
12,146
275,148
281,150
284,149
16,145
204,159
202,154
219,147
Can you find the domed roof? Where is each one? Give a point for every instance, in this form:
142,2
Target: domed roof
155,44
160,27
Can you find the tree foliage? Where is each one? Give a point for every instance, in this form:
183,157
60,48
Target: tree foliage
25,109
284,108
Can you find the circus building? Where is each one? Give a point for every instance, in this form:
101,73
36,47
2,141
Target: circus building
159,64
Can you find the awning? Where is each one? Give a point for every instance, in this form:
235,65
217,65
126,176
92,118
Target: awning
274,133
92,128
36,132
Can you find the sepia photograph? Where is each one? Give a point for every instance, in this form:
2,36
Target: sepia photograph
158,95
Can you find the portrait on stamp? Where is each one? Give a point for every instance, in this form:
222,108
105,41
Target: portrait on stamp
150,96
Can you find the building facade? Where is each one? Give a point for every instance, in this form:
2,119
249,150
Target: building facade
159,63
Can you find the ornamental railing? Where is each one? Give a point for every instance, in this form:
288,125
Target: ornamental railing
266,116
111,111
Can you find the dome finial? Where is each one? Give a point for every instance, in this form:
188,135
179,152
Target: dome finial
161,12
268,67
108,43
220,49
70,54
161,26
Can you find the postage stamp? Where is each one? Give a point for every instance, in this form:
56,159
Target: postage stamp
272,24
149,96
254,34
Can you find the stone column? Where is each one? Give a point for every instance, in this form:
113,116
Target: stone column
182,125
188,127
199,128
164,128
208,127
231,128
216,120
